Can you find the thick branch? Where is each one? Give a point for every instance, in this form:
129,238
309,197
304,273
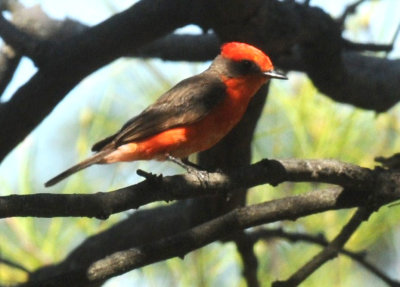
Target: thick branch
180,244
22,42
101,204
133,231
9,60
30,23
181,47
167,221
67,79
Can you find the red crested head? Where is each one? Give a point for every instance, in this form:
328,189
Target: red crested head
237,51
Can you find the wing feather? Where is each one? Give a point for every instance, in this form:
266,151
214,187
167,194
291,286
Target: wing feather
186,103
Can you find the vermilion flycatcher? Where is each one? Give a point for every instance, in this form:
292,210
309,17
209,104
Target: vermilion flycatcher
192,116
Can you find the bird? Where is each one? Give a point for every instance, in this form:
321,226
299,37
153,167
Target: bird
192,116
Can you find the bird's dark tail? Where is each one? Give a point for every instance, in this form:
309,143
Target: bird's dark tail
97,158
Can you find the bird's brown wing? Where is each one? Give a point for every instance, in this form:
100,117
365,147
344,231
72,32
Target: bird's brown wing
187,102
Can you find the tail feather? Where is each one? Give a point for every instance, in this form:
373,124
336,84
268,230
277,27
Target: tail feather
84,164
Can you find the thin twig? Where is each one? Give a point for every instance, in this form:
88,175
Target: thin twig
350,9
359,257
14,265
349,45
396,33
328,253
245,246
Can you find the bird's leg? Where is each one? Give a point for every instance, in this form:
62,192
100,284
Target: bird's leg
186,161
190,167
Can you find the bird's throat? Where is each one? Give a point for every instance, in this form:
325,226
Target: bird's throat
243,88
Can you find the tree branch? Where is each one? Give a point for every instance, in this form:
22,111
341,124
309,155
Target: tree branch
276,27
347,44
181,47
23,43
245,247
350,9
180,244
170,220
9,60
329,252
14,265
103,204
266,234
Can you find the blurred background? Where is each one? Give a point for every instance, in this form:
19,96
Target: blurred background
297,122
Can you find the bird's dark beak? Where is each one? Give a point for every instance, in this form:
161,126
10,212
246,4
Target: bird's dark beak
276,75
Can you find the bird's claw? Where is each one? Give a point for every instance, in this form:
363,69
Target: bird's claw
201,174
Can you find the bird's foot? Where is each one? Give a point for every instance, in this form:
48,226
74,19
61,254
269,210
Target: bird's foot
185,163
202,175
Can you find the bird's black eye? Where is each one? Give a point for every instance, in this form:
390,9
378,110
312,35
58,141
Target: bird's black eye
243,67
246,64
